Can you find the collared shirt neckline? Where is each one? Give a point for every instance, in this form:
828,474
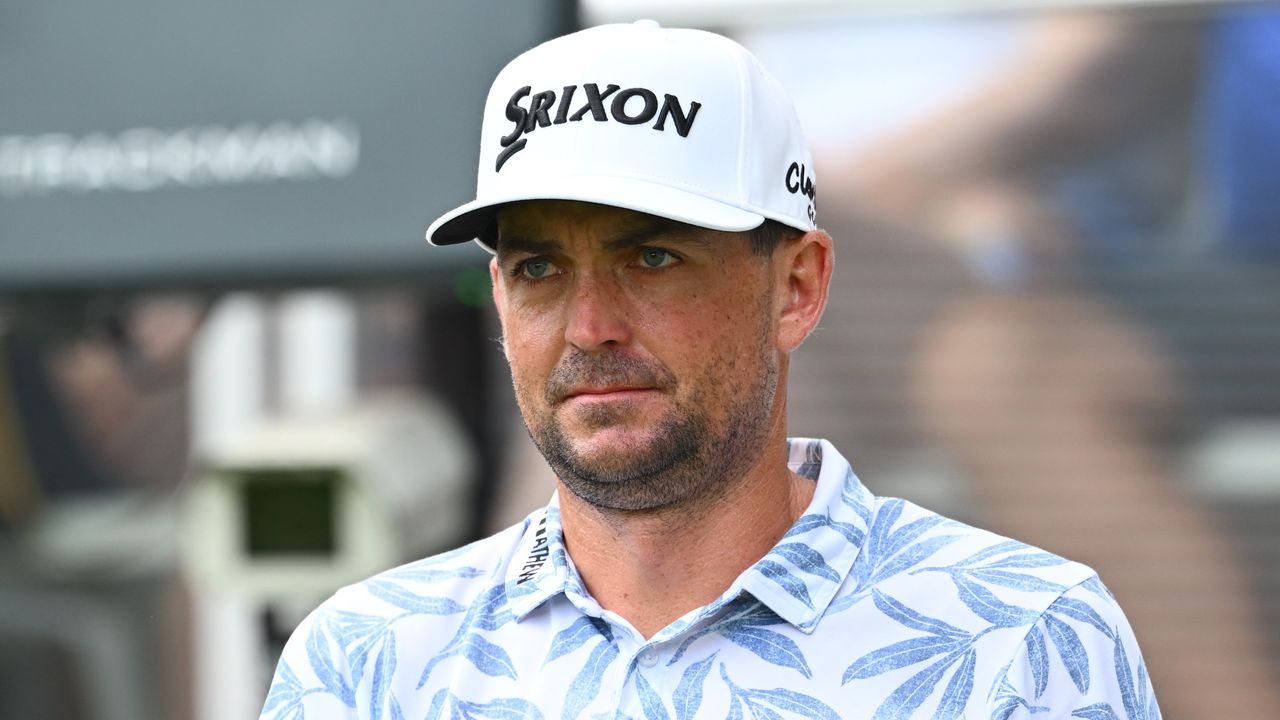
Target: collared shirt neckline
796,579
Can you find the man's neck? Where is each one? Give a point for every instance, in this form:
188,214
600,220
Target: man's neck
653,567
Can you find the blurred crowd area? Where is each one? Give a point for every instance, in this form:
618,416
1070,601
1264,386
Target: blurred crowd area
1054,314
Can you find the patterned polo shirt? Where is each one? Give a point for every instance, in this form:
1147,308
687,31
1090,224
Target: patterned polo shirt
867,608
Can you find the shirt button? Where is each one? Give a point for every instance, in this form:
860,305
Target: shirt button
648,658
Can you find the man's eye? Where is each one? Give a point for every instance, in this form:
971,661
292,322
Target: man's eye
656,258
536,268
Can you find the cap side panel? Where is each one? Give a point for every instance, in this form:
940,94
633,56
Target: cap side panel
744,128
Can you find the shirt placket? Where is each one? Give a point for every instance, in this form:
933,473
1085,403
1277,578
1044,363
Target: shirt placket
645,663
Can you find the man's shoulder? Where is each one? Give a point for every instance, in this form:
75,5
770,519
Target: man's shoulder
916,555
343,652
1012,625
440,585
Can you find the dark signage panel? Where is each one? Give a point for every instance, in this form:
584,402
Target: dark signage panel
169,143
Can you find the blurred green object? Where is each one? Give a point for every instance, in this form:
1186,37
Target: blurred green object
290,512
472,286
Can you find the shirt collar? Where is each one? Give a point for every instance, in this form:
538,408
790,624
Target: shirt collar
540,568
801,575
797,579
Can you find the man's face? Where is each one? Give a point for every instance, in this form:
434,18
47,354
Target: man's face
642,351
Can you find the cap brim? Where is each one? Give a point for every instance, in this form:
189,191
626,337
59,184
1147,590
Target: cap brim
468,222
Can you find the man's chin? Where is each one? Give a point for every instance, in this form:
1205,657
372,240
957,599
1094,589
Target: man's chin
613,445
615,452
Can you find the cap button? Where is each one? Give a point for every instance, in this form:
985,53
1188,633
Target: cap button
647,24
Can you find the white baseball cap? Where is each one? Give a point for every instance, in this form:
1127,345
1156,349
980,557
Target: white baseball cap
682,124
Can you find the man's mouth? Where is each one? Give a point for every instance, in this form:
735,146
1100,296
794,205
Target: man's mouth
608,391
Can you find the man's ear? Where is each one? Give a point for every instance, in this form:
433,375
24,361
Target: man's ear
805,265
499,299
494,277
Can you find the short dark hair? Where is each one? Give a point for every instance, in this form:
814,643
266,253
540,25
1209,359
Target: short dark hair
488,235
768,235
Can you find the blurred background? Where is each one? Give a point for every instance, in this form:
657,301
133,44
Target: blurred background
233,378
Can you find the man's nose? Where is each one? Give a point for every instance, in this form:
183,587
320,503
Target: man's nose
597,314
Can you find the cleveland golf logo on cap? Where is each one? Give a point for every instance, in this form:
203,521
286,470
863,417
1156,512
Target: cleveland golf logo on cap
798,181
619,107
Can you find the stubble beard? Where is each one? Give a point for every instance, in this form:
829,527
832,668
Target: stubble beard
688,459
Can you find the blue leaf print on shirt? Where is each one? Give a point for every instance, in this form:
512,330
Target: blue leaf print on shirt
1071,650
1081,611
890,552
914,620
891,543
572,638
807,523
911,694
1007,700
1000,548
1128,693
321,658
1146,699
912,556
1013,580
996,572
1095,586
383,670
735,710
412,601
436,711
500,709
772,647
791,702
956,696
287,689
586,685
901,654
806,559
487,657
1006,707
794,586
1024,556
854,495
887,514
1038,658
688,696
357,634
488,612
745,613
1035,559
653,707
766,703
415,573
990,608
349,628
1096,711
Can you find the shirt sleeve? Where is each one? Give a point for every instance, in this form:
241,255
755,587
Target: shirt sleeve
312,680
1079,660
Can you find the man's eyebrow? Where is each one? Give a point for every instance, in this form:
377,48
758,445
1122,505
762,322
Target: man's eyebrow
668,230
508,244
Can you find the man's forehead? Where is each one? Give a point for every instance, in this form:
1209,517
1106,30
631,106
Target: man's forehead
540,225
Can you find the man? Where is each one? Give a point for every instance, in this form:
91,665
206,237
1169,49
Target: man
650,203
